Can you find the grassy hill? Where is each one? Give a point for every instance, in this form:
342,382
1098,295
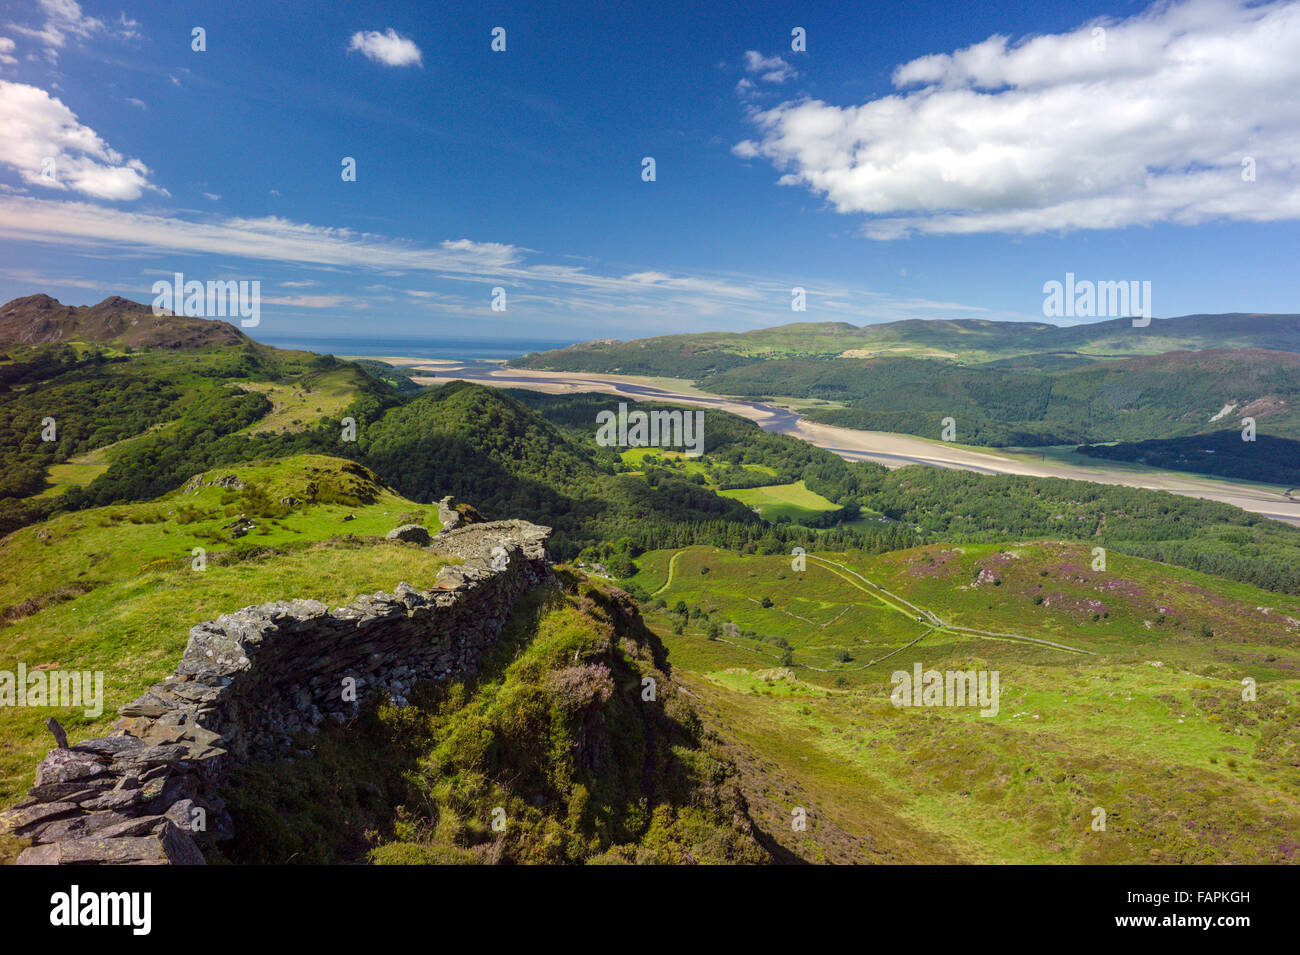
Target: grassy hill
1005,383
967,341
1121,687
1179,393
1148,724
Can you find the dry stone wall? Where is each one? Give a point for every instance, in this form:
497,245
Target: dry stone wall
248,683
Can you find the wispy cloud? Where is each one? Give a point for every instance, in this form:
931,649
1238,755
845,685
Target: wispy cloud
769,69
64,21
587,298
389,47
1115,123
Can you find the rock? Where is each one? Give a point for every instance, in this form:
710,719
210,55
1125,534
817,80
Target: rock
60,736
19,821
411,533
67,765
168,846
152,703
447,513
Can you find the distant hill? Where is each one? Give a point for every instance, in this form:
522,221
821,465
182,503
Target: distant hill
998,404
1007,384
42,320
966,341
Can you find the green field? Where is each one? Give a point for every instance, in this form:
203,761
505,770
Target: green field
794,501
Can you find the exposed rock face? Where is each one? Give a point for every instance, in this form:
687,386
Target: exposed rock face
251,680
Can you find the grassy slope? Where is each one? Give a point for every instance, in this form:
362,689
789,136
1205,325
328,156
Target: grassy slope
1152,728
296,404
299,396
113,588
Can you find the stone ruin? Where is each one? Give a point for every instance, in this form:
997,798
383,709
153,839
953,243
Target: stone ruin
248,683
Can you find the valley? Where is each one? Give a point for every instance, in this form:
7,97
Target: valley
1143,648
887,448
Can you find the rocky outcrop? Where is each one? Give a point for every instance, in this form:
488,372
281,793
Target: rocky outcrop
454,515
447,513
248,683
410,533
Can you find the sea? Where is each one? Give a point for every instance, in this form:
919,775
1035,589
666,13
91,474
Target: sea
417,346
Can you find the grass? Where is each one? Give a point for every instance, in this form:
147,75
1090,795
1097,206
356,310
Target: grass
678,461
1152,729
300,403
773,501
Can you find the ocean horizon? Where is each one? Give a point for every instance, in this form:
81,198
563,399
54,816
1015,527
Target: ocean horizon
457,349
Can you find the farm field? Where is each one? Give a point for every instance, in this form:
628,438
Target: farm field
774,501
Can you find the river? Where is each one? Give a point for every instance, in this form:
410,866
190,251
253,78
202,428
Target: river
887,448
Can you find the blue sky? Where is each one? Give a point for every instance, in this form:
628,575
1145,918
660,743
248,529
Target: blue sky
920,160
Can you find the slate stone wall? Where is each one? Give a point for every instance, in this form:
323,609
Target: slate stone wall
249,682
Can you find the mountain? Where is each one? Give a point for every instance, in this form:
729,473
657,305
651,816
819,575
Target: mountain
966,340
42,320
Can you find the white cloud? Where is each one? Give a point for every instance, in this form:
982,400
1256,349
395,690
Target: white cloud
211,195
389,47
7,48
771,69
1148,120
36,127
137,103
64,20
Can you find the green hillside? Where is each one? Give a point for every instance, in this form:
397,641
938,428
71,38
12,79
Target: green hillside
117,588
1146,720
968,341
1005,384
